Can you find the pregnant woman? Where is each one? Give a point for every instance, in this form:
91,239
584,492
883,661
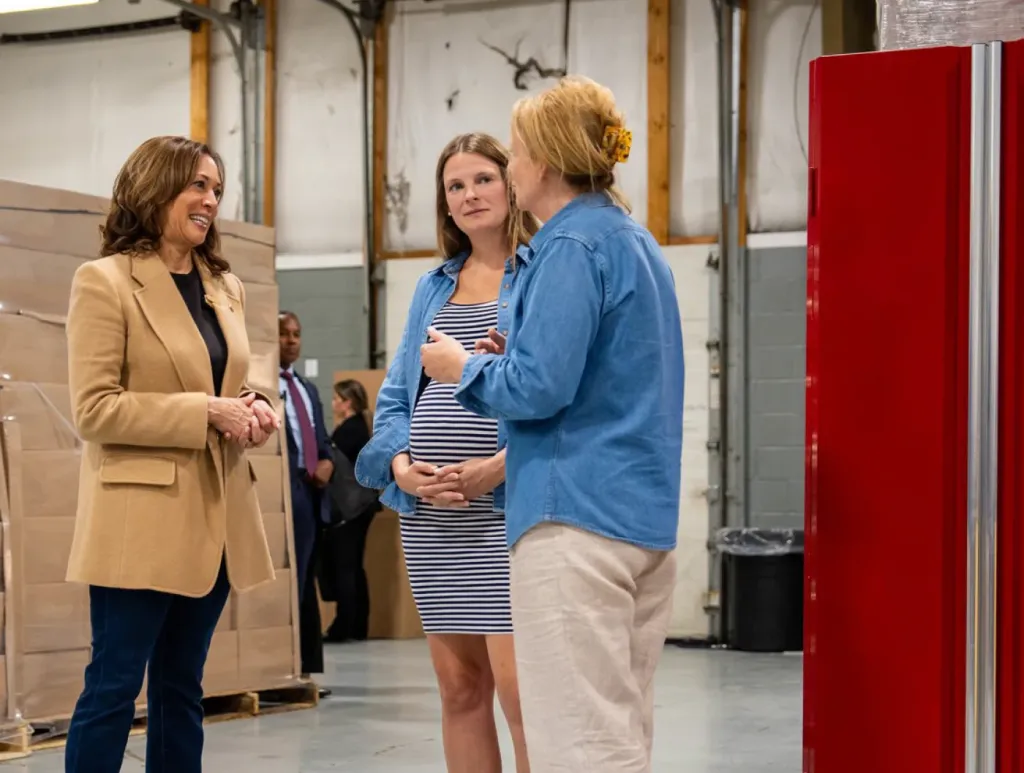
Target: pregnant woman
443,467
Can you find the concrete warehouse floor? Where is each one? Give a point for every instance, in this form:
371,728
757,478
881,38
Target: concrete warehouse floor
717,712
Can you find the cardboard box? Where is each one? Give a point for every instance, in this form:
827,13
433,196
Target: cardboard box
268,606
33,349
35,282
43,411
261,309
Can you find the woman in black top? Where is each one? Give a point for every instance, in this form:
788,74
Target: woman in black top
342,575
353,432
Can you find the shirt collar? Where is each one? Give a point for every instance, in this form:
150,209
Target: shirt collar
588,200
453,265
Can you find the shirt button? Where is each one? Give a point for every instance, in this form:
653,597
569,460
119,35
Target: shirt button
504,332
507,286
504,305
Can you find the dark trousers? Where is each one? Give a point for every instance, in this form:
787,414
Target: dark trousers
307,525
130,629
343,578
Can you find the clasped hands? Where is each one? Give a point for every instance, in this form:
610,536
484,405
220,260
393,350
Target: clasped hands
249,420
453,485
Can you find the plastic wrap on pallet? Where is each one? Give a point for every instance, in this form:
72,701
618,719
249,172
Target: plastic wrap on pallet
752,541
924,23
46,642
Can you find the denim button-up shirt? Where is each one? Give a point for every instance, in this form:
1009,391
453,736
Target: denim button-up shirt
397,396
590,387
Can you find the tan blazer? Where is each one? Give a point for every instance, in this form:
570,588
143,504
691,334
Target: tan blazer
161,496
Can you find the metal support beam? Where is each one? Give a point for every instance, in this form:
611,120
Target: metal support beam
245,31
983,409
728,446
369,23
732,33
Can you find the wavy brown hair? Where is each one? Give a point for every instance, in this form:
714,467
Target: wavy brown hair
153,177
521,226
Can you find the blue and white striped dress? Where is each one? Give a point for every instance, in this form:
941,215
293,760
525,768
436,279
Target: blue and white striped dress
457,558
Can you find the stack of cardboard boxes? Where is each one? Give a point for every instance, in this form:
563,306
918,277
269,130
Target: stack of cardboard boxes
45,235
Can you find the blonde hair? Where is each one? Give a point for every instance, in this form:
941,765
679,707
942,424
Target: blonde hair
566,128
521,226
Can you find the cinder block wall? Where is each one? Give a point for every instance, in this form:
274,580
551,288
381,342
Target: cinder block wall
777,331
330,304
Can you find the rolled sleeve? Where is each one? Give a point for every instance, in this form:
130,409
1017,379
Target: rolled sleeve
373,465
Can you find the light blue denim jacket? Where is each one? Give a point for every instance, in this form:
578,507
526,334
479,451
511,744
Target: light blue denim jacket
590,387
397,394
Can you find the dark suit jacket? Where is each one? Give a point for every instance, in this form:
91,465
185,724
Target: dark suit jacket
323,440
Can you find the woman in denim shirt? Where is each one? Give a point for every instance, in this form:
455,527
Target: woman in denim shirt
590,388
443,466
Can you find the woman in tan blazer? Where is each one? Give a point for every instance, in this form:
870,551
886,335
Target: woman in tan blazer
167,517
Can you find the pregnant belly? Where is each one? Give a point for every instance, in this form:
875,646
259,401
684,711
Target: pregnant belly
443,432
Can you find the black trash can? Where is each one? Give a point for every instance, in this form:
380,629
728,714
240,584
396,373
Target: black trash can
762,589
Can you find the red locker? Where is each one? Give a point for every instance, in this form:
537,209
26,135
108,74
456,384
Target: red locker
914,508
914,651
887,412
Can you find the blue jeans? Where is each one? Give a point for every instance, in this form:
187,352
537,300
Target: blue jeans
130,629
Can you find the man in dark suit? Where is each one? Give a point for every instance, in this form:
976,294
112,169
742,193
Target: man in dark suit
310,464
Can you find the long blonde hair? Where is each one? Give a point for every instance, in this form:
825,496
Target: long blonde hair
521,226
567,128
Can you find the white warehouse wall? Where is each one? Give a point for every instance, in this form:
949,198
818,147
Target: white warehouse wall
74,110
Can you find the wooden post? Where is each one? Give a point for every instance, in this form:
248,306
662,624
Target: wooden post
658,121
270,113
380,131
848,26
199,113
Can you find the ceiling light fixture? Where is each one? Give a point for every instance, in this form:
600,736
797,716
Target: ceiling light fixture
14,6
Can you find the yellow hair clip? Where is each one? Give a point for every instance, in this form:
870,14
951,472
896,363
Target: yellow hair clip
617,142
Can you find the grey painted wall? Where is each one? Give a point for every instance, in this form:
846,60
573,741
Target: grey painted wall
330,305
777,336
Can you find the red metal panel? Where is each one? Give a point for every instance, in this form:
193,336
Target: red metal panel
1010,594
887,327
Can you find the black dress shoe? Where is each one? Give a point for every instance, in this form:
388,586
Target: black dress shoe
324,692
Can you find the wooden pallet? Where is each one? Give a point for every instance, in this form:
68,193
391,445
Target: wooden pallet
42,735
221,708
22,740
